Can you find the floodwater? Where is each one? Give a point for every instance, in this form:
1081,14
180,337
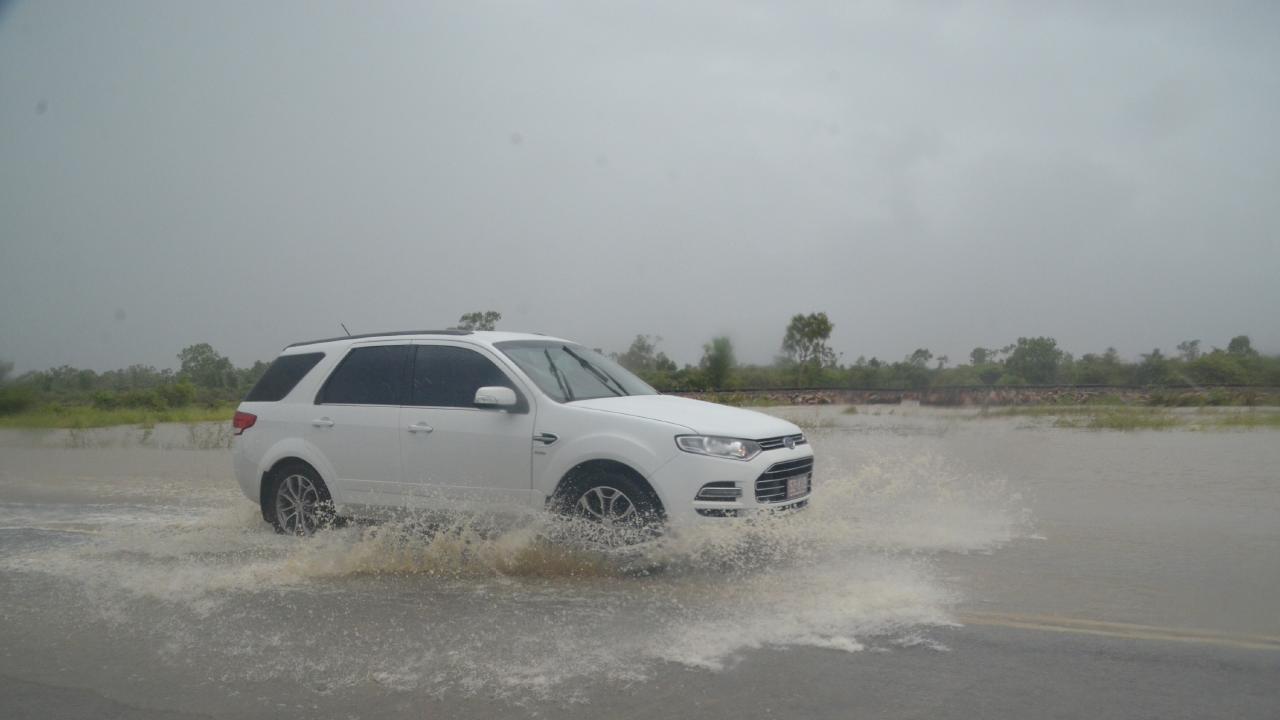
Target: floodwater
131,566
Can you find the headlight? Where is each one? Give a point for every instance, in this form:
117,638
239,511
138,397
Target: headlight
719,446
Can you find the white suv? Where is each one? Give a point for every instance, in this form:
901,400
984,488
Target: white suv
455,420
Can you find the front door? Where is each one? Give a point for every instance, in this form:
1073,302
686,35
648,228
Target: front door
456,454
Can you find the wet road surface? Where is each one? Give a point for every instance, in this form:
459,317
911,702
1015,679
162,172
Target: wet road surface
950,567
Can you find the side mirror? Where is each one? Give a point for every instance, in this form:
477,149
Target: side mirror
495,397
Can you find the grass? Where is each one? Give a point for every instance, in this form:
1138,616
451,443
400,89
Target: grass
744,400
87,416
1043,411
1248,420
1120,419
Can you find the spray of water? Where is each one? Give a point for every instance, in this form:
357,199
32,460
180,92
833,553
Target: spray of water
478,604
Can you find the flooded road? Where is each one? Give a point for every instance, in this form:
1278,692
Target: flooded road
949,566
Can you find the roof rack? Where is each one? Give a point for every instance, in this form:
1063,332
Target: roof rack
450,331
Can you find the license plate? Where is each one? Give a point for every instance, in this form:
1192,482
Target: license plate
797,486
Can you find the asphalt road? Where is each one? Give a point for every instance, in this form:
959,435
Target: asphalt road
990,671
953,569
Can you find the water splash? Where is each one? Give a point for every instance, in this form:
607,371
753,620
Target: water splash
510,608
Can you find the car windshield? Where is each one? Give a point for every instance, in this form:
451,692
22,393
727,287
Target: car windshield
567,372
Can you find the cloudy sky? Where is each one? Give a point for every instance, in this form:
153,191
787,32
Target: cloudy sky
930,174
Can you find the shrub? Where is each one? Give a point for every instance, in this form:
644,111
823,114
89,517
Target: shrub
1218,368
1218,397
105,400
1106,399
143,399
210,397
177,394
16,399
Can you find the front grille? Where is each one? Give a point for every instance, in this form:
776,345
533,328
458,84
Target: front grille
775,443
771,487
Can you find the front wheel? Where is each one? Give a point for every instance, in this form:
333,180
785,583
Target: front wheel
298,503
624,510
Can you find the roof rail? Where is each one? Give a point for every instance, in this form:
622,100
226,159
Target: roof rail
450,331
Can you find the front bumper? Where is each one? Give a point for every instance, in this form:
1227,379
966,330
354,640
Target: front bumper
679,481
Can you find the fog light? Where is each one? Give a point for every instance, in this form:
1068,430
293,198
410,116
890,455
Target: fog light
719,491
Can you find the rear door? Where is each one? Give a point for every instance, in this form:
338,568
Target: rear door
356,423
455,453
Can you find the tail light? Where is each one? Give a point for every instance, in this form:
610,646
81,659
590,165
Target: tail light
242,421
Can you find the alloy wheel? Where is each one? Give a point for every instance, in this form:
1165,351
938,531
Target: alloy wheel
607,505
298,505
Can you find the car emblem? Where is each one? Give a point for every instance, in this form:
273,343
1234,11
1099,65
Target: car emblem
790,442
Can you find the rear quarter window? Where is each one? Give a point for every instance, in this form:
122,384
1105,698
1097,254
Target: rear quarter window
283,375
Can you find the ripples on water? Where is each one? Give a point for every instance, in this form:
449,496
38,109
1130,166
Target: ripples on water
512,609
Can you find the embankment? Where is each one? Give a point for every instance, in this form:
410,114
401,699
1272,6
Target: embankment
970,396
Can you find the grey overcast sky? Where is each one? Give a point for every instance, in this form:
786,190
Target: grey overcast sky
928,173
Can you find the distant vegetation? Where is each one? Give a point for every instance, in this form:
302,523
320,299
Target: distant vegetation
807,360
88,416
207,385
485,320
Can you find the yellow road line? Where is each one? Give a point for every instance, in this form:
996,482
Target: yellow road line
1060,624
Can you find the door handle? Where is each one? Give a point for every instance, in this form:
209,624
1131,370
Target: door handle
322,422
420,428
546,438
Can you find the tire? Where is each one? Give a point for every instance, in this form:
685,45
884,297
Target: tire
624,508
297,501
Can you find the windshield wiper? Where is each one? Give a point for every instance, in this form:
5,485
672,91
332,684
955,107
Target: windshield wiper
604,377
561,380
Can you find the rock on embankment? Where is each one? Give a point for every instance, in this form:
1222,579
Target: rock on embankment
977,396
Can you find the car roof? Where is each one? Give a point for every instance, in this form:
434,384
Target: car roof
485,337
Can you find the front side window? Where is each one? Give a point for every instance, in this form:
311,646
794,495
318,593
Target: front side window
448,376
368,376
567,372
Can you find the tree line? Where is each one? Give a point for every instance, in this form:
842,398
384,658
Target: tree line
204,376
805,359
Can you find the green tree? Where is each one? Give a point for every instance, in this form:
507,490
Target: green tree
205,368
1035,360
805,344
250,375
910,373
920,358
1105,369
6,368
1241,346
1189,350
1218,368
1153,370
485,320
990,375
643,357
717,362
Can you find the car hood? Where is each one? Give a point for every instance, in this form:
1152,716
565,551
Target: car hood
702,417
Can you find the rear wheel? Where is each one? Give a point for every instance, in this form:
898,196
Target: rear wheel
298,503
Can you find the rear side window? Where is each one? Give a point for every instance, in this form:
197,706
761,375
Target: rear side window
282,376
368,376
448,376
